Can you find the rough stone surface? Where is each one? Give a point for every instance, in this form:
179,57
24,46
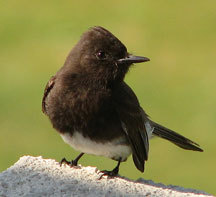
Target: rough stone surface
36,177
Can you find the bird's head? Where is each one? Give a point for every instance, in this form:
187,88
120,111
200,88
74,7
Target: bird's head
102,55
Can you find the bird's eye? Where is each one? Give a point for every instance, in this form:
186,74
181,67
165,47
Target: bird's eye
101,55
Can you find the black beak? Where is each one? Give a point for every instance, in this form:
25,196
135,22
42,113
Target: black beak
133,59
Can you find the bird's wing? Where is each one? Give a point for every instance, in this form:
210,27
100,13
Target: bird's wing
132,119
48,87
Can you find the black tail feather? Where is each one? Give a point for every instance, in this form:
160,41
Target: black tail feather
174,137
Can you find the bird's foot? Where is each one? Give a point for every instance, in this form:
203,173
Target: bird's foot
71,163
110,174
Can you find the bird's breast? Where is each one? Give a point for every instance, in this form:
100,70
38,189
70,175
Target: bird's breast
73,109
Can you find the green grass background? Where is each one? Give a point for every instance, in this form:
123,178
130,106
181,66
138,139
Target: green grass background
177,88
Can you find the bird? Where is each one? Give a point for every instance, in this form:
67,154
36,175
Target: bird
94,109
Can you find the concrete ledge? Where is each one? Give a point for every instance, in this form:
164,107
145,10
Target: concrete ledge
35,176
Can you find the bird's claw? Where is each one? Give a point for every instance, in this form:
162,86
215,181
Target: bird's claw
70,163
110,174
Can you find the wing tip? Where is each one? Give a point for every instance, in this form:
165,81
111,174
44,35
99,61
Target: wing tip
140,165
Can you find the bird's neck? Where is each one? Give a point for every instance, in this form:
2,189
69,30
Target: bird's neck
89,81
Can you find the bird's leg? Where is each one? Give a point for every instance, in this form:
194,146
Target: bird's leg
73,162
112,173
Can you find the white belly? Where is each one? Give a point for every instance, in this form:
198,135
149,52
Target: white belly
114,149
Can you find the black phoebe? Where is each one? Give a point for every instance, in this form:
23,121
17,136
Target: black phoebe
95,111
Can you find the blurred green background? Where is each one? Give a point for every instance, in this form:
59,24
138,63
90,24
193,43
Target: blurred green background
176,88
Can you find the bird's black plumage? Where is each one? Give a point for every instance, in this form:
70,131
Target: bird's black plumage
92,107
